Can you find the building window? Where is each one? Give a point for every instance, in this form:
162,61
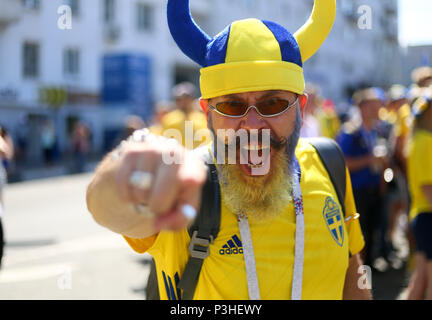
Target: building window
31,4
109,11
31,60
71,62
74,5
144,17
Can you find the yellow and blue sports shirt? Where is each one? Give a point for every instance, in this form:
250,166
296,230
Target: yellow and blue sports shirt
420,171
223,276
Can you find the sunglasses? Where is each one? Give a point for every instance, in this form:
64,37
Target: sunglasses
268,108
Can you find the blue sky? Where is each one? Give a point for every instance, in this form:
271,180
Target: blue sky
415,22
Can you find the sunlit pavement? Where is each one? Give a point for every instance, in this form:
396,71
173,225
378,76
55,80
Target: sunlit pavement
56,251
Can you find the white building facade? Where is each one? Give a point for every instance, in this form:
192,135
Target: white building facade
42,60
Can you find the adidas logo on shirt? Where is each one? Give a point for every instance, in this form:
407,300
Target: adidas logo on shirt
233,246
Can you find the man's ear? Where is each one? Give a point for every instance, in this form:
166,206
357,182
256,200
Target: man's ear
204,106
303,99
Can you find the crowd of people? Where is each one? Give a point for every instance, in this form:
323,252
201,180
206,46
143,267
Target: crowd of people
386,141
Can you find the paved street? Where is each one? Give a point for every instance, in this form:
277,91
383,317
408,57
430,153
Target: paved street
56,251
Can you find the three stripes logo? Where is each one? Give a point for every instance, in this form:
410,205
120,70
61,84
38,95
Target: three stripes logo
172,291
233,246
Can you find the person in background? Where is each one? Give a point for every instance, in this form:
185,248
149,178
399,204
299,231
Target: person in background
131,124
311,126
185,121
329,120
420,183
422,77
6,155
395,114
161,110
359,142
48,142
80,145
399,112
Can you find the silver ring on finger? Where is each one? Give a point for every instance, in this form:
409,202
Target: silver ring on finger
141,180
144,211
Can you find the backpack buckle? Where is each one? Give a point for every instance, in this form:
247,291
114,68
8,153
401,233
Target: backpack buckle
199,247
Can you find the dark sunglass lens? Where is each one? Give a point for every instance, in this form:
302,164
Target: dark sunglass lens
273,106
232,108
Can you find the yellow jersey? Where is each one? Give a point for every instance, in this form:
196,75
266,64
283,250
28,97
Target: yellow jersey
420,171
223,275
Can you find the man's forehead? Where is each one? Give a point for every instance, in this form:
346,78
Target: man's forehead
257,94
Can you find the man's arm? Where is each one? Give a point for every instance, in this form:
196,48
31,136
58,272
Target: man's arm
356,288
112,200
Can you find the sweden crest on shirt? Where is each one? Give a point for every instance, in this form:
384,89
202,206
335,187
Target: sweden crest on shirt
333,218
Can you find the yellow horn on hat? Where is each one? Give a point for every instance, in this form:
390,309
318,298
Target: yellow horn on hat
312,35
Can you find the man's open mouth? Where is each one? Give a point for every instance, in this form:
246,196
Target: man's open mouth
254,158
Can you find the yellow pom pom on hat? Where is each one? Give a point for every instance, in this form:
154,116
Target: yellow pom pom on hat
251,54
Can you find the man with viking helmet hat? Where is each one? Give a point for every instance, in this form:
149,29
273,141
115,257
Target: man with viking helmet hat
282,233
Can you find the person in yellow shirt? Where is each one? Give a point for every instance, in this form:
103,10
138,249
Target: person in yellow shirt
420,183
283,232
186,124
396,115
329,119
162,108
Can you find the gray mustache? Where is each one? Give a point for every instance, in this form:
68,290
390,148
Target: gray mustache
260,138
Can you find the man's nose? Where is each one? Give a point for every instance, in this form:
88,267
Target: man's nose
253,120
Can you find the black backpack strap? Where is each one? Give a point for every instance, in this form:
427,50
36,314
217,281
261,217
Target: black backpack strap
333,160
203,232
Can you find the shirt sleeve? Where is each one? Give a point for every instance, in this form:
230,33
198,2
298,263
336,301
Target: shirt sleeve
165,242
355,235
141,245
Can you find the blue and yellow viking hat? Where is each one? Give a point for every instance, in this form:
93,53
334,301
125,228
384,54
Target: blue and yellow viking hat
250,55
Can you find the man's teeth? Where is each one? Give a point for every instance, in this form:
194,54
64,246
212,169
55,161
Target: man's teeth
254,166
250,147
